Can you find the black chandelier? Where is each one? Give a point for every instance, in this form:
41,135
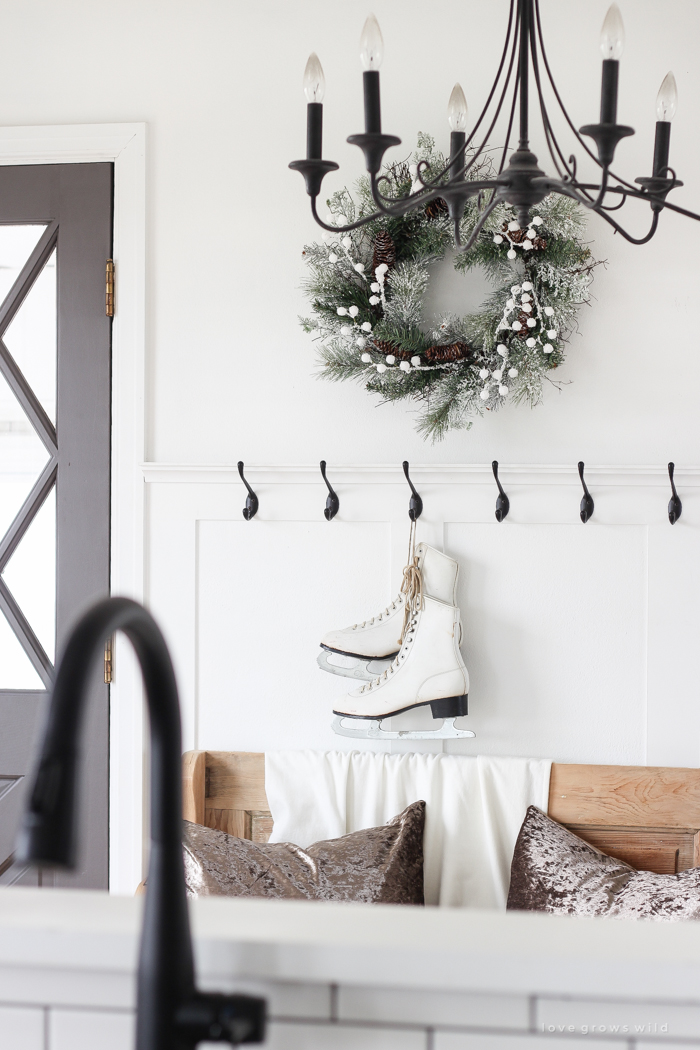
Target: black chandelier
520,182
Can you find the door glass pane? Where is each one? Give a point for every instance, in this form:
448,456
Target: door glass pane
31,575
22,456
31,338
16,671
16,245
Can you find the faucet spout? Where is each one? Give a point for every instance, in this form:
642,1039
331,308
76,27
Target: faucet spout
171,1013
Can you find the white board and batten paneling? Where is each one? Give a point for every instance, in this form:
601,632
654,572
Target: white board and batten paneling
582,641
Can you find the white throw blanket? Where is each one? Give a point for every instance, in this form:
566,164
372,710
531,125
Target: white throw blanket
475,807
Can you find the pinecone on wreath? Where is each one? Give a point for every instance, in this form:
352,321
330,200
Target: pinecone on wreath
384,346
524,327
443,354
384,251
434,209
518,236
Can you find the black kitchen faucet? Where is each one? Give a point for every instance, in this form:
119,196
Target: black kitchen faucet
171,1013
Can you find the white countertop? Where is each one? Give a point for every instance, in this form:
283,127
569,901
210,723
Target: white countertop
390,946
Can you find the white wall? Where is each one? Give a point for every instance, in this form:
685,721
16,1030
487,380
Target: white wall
219,82
580,640
581,643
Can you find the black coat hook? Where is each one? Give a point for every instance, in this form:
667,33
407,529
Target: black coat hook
675,507
587,504
332,501
502,503
415,504
252,503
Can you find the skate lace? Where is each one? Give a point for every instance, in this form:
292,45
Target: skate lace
379,616
412,584
411,592
408,634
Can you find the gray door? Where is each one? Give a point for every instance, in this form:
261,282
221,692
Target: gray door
55,369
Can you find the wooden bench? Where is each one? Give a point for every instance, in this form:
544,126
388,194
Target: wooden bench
648,816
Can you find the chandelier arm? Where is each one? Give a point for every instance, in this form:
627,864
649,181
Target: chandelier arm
616,207
422,166
390,200
466,167
342,229
381,200
555,89
550,136
569,191
495,200
632,192
405,204
672,207
627,236
598,203
499,107
506,145
402,205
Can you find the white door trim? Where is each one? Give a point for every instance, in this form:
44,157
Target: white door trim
125,146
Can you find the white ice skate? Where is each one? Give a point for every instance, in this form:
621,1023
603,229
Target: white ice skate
367,649
428,670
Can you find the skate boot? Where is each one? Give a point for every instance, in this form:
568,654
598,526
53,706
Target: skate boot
366,649
428,670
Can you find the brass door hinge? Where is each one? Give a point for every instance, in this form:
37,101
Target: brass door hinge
109,288
109,661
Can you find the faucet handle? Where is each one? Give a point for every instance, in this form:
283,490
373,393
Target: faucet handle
216,1018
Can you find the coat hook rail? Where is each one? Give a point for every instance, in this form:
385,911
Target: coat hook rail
415,504
252,503
675,507
332,500
587,504
502,503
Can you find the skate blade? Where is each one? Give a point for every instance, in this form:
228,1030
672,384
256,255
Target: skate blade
372,730
351,666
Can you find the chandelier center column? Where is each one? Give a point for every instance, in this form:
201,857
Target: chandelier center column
524,12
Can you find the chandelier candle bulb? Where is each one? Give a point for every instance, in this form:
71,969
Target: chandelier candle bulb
667,99
612,42
608,91
371,54
457,119
666,102
612,35
314,89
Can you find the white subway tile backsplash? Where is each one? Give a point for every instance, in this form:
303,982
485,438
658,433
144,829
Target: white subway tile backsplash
90,1030
483,1041
417,1006
667,1045
284,998
642,1019
66,987
21,1027
283,1036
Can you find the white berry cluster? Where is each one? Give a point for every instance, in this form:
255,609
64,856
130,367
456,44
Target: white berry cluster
514,227
497,375
356,331
377,287
524,300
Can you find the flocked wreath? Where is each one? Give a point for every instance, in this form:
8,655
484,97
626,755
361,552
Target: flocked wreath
367,290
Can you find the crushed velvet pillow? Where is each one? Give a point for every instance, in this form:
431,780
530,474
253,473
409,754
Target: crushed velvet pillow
555,871
378,865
